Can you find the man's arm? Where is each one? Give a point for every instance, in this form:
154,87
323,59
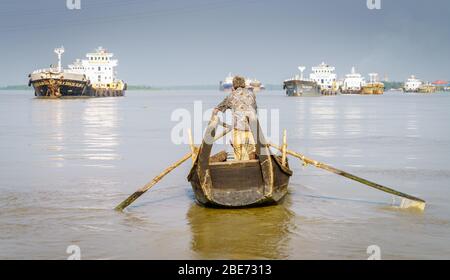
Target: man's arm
223,106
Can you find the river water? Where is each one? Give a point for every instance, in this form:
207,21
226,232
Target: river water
65,164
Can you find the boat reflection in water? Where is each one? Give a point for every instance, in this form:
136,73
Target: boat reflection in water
254,233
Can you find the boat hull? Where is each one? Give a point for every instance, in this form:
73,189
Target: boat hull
238,184
297,88
241,185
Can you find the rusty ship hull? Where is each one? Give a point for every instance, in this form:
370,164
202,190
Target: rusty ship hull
69,85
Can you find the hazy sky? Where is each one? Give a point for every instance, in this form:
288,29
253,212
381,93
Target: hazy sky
190,42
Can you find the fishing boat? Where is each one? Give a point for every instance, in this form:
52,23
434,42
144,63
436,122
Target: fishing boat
223,183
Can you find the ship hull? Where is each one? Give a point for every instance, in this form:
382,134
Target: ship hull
71,89
373,89
51,88
68,85
351,91
297,88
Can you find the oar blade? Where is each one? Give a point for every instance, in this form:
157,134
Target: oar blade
412,204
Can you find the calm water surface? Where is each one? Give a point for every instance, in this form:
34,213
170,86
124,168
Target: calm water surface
65,164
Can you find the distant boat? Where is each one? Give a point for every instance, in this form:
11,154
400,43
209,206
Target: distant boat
298,86
373,86
254,84
353,83
412,84
227,84
324,75
427,88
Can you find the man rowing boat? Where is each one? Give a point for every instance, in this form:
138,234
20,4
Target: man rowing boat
242,103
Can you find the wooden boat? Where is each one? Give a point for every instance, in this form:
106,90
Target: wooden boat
218,182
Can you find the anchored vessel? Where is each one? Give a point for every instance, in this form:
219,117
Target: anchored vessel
373,86
298,86
91,77
324,75
254,84
427,88
353,83
218,182
412,84
416,85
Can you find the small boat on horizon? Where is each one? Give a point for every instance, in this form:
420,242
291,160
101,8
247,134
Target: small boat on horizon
227,84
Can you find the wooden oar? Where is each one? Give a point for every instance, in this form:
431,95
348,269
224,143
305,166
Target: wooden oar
407,202
158,178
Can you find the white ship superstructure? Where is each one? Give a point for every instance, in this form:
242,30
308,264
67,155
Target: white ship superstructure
324,75
353,82
99,68
413,84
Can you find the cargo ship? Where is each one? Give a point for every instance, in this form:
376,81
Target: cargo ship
299,86
91,77
353,83
427,88
373,86
324,75
412,84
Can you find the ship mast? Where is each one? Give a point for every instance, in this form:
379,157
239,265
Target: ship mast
373,77
302,69
59,52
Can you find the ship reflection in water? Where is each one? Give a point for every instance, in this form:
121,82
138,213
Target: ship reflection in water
258,233
78,132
